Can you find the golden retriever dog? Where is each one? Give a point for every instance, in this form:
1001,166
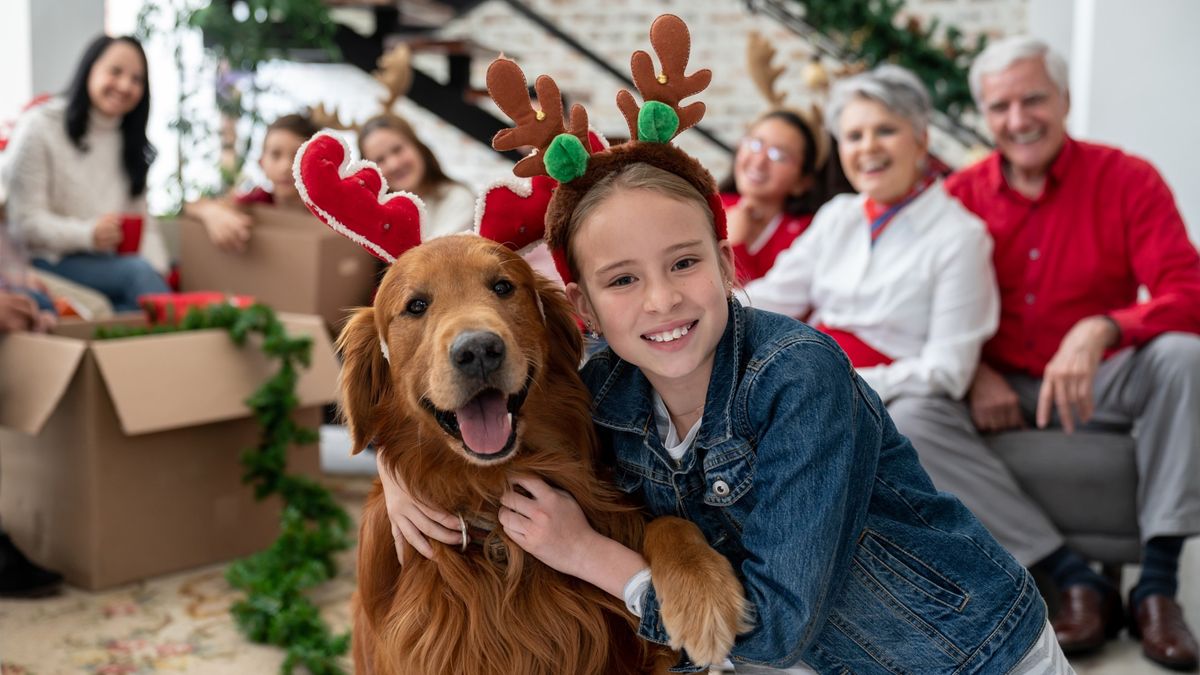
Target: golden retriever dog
463,371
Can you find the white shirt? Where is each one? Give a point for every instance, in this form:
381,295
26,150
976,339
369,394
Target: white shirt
449,210
57,192
925,295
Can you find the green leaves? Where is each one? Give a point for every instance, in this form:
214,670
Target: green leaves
657,122
874,32
313,526
566,158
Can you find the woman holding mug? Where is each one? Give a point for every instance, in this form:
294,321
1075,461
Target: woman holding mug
77,178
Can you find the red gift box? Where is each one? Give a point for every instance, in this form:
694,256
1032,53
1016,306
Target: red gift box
172,307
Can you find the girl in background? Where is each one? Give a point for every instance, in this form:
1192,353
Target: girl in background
409,165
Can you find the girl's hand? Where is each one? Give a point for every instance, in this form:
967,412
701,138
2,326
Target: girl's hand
413,521
549,525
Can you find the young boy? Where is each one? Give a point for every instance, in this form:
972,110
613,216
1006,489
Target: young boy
228,225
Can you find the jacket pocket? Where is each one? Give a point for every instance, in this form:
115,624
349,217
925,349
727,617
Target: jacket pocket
893,567
728,476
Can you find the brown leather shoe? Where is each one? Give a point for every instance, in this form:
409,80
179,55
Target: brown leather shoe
1158,621
1086,619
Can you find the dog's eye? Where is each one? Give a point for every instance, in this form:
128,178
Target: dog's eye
416,307
503,288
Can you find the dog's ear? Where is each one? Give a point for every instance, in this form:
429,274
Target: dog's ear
560,319
365,381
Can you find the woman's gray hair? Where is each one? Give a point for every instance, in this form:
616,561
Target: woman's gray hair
999,56
896,88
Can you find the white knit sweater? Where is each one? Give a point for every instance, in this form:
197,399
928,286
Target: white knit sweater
56,192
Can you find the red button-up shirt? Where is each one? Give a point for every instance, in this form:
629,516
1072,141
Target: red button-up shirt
1105,224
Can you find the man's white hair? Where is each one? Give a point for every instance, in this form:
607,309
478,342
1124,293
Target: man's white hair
1000,55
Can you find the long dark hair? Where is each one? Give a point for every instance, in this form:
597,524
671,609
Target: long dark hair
434,177
828,180
136,153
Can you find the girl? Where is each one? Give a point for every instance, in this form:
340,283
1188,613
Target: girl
900,275
408,164
78,170
752,425
777,184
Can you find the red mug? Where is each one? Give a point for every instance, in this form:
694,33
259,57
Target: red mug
131,234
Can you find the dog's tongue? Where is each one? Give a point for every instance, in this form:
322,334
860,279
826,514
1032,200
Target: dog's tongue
485,423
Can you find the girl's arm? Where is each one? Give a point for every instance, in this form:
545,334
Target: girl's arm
817,448
228,227
964,313
549,525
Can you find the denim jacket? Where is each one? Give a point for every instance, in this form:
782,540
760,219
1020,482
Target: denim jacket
851,560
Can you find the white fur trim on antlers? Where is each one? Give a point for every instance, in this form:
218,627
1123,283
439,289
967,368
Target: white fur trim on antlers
348,168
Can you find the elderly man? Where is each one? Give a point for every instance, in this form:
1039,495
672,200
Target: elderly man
1077,228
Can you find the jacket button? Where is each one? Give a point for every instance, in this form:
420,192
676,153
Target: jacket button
720,488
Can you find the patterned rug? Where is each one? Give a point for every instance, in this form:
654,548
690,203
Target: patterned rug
172,624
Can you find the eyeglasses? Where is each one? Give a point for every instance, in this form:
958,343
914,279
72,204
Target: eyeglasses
774,153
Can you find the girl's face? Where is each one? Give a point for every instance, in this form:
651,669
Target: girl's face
881,153
278,153
652,280
397,158
768,163
117,80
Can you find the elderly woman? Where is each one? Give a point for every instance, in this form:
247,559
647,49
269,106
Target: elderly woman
899,274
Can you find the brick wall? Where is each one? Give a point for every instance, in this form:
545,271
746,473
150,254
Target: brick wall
614,28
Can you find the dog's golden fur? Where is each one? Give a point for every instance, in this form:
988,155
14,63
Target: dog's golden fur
493,608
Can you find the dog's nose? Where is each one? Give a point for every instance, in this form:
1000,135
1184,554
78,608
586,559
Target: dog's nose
477,353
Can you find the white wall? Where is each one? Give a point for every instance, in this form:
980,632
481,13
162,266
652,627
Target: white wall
1134,81
40,43
61,31
16,77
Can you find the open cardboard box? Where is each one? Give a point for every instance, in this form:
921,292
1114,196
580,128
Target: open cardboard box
119,459
294,263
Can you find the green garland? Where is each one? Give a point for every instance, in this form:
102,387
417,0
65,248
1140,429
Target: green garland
314,527
868,30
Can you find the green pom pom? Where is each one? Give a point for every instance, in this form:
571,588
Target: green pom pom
566,158
657,122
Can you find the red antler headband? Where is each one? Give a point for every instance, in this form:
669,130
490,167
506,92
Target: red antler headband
561,153
352,198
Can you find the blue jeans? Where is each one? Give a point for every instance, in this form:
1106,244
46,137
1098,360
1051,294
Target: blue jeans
121,278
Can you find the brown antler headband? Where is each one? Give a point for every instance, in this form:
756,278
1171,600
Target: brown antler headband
759,54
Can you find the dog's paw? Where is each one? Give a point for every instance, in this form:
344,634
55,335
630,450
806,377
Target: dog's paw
702,604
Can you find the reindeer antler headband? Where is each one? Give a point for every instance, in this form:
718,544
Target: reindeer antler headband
562,152
759,54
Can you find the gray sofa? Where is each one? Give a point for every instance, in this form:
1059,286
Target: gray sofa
1087,484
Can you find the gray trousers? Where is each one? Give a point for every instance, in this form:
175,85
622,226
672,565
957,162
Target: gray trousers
1154,390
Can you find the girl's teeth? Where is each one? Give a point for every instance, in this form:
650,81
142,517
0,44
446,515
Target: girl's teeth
670,335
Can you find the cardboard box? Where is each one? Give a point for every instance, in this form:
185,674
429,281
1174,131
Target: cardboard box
119,459
293,263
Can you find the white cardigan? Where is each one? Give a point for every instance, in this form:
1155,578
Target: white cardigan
56,192
925,295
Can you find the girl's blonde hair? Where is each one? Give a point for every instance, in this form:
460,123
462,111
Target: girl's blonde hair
634,176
